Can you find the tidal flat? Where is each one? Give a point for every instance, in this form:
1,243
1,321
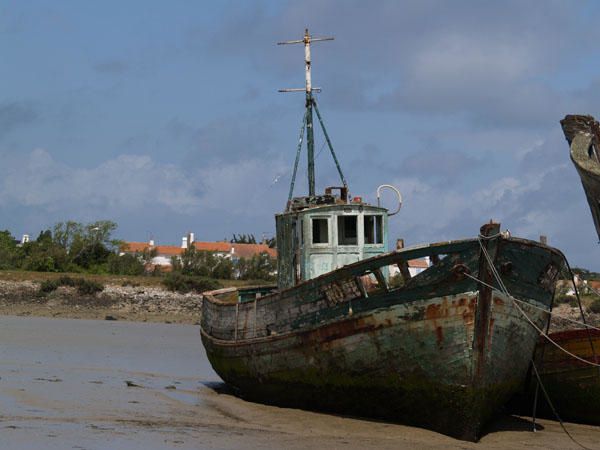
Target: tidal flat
93,384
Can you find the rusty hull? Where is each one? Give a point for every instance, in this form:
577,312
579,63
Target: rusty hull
441,351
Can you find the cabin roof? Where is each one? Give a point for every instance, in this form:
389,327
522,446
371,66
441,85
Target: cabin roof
326,208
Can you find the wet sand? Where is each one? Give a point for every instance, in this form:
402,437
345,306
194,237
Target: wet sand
64,385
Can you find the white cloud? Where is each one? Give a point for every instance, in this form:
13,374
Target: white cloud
459,60
126,182
137,183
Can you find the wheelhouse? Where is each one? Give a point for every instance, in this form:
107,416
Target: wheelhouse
322,233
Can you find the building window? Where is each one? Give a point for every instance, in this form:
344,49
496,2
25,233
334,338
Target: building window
373,229
320,231
347,230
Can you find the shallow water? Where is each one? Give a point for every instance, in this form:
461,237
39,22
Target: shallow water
63,385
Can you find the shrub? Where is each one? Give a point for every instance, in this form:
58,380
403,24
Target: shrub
66,280
88,287
125,265
595,306
48,286
84,287
396,281
185,283
564,299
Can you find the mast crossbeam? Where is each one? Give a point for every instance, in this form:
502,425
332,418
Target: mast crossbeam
307,122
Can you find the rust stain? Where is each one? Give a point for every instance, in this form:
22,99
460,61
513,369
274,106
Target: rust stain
438,311
439,336
469,313
490,330
498,301
432,311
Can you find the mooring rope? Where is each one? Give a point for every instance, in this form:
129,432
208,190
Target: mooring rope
580,307
562,424
584,324
505,292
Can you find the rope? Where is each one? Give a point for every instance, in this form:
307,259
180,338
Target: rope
586,325
553,342
583,324
539,380
581,308
542,333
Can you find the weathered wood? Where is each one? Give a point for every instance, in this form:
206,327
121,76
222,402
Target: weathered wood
406,353
583,135
572,385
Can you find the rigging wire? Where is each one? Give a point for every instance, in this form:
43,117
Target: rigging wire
504,290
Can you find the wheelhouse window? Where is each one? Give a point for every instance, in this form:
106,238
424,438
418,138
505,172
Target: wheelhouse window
320,231
373,229
347,230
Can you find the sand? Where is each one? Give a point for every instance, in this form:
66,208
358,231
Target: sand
64,384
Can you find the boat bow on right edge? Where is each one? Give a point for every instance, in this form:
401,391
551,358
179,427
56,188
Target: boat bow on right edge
583,134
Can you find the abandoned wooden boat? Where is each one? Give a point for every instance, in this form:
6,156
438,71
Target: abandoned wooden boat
573,386
349,329
583,136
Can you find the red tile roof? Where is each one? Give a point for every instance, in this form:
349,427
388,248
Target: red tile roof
420,263
239,250
248,250
134,247
223,247
168,250
593,284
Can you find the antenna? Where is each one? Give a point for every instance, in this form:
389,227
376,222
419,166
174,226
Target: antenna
306,41
309,104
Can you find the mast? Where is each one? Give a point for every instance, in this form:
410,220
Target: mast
310,142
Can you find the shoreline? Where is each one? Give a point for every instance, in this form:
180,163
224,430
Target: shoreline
138,299
115,302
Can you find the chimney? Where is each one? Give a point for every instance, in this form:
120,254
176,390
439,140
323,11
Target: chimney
544,239
151,242
191,238
399,244
184,242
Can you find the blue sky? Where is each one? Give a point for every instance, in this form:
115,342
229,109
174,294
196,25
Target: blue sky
165,116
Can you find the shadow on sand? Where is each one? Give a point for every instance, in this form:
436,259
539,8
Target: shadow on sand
502,423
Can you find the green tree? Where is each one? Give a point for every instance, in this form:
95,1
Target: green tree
43,255
10,254
258,267
204,264
243,239
90,245
125,265
66,233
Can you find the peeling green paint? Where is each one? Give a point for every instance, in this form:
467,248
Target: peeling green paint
412,346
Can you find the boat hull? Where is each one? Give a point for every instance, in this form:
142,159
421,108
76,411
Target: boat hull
583,135
446,362
572,385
